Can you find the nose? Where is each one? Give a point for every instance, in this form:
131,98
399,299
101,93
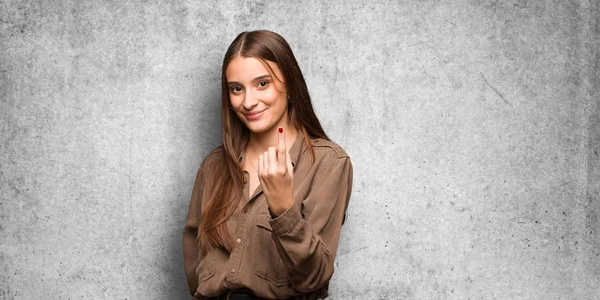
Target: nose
250,100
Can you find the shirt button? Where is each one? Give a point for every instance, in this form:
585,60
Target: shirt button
232,270
238,241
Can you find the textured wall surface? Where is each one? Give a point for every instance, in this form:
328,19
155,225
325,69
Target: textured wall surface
473,126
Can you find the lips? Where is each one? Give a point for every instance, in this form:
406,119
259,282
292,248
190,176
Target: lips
255,115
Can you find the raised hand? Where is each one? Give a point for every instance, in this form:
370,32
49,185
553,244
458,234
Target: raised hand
276,176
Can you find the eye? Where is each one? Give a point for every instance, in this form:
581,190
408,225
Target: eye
235,89
263,83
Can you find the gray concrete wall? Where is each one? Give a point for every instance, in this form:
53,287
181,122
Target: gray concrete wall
473,127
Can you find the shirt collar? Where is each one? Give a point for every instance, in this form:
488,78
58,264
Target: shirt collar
294,150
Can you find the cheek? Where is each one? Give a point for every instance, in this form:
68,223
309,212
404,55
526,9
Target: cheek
235,100
241,116
272,97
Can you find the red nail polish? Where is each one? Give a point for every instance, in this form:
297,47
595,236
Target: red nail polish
280,129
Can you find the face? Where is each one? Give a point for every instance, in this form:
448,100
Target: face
258,97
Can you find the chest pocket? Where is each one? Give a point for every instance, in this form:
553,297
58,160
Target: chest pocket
267,262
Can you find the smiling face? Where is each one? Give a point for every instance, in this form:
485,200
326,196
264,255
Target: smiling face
257,95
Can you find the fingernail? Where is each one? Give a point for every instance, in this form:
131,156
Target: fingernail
280,129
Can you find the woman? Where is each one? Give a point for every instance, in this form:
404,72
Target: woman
267,206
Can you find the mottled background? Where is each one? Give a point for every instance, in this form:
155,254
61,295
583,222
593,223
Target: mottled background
473,126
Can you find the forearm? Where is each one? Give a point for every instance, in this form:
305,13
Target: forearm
307,256
307,234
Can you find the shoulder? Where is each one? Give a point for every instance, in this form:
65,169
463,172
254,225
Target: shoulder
213,158
324,147
331,163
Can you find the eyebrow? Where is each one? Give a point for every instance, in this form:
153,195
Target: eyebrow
254,80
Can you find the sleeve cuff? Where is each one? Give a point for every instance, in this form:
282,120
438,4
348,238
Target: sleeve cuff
285,222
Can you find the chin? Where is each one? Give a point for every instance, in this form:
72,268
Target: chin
257,127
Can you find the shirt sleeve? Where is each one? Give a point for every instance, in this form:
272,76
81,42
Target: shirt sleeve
307,234
190,234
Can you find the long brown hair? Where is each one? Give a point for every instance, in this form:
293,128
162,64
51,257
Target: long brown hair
225,182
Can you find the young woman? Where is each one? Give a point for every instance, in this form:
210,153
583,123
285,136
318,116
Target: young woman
267,206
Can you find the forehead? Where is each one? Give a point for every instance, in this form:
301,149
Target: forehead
246,69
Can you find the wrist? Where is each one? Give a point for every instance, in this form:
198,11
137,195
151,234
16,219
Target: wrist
273,216
278,210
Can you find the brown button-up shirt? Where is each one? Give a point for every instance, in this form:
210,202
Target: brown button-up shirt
290,256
